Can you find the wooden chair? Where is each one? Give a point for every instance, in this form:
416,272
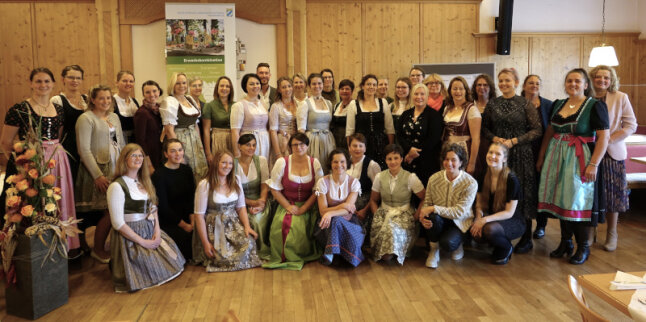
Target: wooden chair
586,313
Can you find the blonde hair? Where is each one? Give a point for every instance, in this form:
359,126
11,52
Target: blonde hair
212,174
94,91
614,80
143,174
437,78
173,81
500,195
422,86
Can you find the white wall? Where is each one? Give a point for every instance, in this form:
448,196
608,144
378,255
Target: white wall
148,44
568,15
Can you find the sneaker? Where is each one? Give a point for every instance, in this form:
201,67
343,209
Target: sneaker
458,253
433,258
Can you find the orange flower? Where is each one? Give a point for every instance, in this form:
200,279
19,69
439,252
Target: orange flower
13,201
15,178
31,192
22,185
49,179
33,173
19,147
14,217
27,210
30,153
57,190
51,164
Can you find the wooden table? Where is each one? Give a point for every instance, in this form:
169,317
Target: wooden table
641,160
599,285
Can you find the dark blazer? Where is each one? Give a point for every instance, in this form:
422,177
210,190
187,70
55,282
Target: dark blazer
429,140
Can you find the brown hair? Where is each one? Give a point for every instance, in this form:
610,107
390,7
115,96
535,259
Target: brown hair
357,136
94,91
143,174
522,92
500,194
216,96
124,72
279,96
212,175
467,93
490,82
396,100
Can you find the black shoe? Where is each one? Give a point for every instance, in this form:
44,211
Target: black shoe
581,255
523,246
565,248
504,260
539,232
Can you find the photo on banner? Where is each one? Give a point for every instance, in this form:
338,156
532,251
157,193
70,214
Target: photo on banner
200,42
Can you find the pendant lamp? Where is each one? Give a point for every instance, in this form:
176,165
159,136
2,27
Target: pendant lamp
603,55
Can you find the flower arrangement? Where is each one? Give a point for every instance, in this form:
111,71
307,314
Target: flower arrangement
32,201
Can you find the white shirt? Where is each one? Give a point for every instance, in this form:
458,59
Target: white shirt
123,108
253,172
400,108
238,110
414,184
117,199
170,107
352,114
338,191
304,109
473,113
58,100
202,194
355,169
265,97
275,182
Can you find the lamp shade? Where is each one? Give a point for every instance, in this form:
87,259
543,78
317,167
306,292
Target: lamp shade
603,55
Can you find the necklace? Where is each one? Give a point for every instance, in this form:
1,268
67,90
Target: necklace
572,105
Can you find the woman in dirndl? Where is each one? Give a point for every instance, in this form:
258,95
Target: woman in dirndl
31,114
142,255
223,240
216,119
179,115
339,229
250,115
571,186
282,119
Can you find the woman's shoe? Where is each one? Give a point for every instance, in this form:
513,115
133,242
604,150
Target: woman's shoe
581,255
566,247
539,233
524,246
504,260
99,258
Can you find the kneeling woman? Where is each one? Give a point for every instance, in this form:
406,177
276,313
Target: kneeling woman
226,240
142,254
498,219
393,225
291,233
341,232
253,172
447,214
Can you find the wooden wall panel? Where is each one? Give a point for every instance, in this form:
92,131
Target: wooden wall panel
390,39
552,58
334,39
447,33
78,33
518,59
640,100
16,54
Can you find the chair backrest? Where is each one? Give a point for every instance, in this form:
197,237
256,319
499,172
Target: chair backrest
586,313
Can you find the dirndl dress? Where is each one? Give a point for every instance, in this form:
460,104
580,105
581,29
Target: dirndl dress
283,122
220,125
188,133
345,235
133,266
234,251
372,126
254,123
316,124
291,238
563,190
394,229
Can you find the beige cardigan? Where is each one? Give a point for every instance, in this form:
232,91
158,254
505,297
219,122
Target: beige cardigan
452,199
622,123
93,140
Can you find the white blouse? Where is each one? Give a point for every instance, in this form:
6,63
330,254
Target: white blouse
303,111
170,107
414,184
58,100
399,109
202,193
117,199
338,191
473,113
355,169
352,114
279,112
238,110
277,173
123,108
253,172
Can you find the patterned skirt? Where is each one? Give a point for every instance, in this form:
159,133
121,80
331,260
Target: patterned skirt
234,251
88,197
260,223
393,231
135,267
321,144
343,237
292,239
220,140
63,174
193,150
615,184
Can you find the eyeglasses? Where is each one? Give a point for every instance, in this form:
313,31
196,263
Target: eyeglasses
136,156
433,83
74,78
299,145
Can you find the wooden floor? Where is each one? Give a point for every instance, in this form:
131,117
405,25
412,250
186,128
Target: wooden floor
531,287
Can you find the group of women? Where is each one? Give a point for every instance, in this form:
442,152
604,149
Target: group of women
307,179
